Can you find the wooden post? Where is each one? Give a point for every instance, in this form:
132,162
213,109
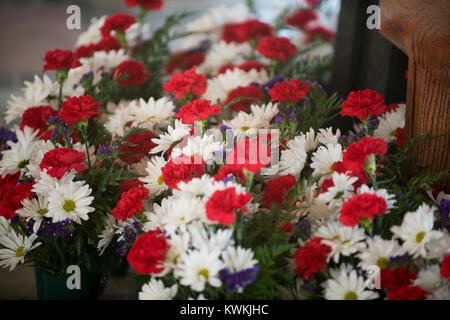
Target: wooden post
421,29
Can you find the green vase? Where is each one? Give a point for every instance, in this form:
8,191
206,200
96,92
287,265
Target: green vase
52,287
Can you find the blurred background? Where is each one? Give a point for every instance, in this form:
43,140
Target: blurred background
28,28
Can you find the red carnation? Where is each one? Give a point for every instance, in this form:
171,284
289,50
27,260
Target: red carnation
130,203
147,4
245,31
183,168
79,108
277,189
85,51
186,82
301,18
130,73
319,33
12,199
60,59
246,66
233,170
7,182
362,104
184,60
251,92
445,267
118,22
129,184
408,292
140,144
311,258
61,160
276,48
400,137
108,43
223,203
36,118
252,154
292,91
357,153
397,278
149,252
197,110
363,205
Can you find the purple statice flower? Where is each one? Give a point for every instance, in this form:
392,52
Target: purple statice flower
5,136
399,259
84,76
278,119
318,85
291,117
224,128
53,120
303,227
361,134
307,287
239,279
104,74
345,138
374,123
444,207
104,149
129,236
60,228
269,84
229,178
14,219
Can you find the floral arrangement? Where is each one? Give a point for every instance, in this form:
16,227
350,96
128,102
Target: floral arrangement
214,169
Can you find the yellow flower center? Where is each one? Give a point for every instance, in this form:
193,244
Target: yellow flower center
204,273
336,237
420,236
175,259
42,211
393,133
345,241
69,205
382,262
160,180
19,252
245,128
351,295
151,118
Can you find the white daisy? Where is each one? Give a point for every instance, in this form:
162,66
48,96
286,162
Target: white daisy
151,113
205,237
93,33
221,85
326,136
347,286
416,230
238,258
171,137
116,122
204,146
156,290
182,210
35,209
340,191
19,156
343,240
378,252
294,157
437,248
153,181
442,293
179,244
45,184
223,53
389,123
5,227
34,94
324,157
15,249
107,234
201,187
430,278
70,201
135,31
198,268
42,147
311,140
247,124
